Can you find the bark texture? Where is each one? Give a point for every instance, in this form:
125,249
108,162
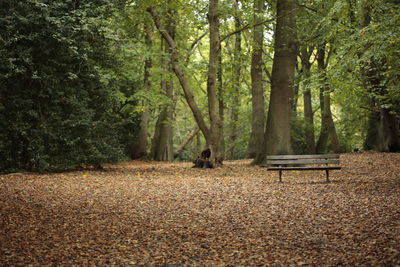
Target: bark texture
257,91
277,139
236,70
305,55
212,86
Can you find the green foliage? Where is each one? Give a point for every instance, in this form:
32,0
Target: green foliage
58,103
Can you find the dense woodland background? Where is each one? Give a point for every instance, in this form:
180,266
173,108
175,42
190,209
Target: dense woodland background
89,82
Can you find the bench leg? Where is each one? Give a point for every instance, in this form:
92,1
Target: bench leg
280,176
327,176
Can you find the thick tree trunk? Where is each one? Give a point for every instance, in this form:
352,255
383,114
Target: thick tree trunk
212,87
388,132
277,135
139,149
162,147
180,74
236,76
257,92
383,133
328,129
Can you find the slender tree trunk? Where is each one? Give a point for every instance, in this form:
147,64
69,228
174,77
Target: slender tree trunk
237,69
277,135
296,92
327,125
307,99
323,134
221,103
139,149
257,92
212,86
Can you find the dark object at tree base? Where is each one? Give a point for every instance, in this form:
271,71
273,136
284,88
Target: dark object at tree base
201,163
205,154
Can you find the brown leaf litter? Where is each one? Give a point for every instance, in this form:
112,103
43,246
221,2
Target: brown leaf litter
168,214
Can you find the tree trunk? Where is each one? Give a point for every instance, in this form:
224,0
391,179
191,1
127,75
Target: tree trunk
323,134
296,89
237,68
221,103
308,112
162,147
139,149
388,132
257,92
328,129
212,87
277,135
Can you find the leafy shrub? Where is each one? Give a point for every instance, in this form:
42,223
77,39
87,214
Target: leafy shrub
55,113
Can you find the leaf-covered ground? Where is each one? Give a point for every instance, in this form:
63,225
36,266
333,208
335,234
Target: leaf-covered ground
168,214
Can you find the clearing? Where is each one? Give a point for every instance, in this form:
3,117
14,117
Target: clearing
168,214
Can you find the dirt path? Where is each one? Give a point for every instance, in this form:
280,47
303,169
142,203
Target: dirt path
163,214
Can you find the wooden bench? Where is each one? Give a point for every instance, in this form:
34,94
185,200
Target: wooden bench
299,163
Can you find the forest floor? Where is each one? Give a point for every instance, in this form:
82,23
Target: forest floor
168,214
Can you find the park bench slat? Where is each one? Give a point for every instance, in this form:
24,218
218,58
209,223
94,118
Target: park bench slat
302,161
303,168
328,156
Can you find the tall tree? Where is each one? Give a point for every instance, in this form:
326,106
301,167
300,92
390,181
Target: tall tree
236,79
139,148
257,92
305,54
212,134
277,135
212,86
162,146
328,129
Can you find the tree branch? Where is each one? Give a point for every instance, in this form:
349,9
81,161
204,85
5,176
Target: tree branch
187,140
194,45
245,27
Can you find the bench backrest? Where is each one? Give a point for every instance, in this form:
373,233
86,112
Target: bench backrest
302,159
